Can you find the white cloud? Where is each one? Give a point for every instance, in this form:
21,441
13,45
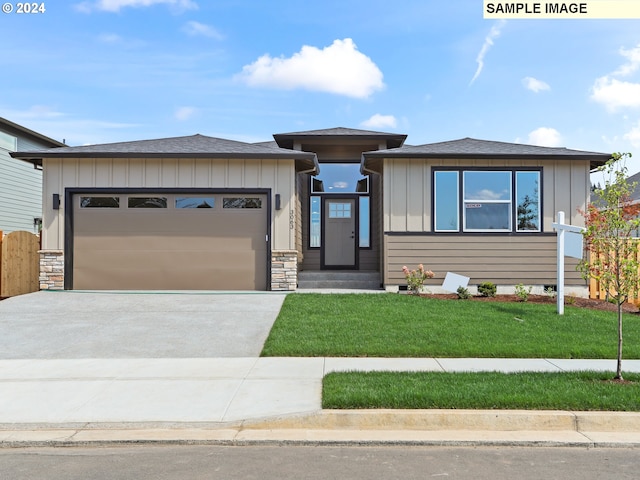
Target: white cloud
633,135
380,121
545,137
185,113
488,194
615,94
110,38
117,5
488,43
535,85
339,68
632,65
195,29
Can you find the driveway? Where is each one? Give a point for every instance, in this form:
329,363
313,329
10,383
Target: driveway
75,324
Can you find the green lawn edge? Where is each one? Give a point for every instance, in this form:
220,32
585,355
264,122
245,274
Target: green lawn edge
395,325
577,391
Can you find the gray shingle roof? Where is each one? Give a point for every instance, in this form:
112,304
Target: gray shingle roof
474,148
194,146
285,140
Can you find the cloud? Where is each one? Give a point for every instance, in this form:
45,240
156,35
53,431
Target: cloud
633,135
339,68
197,29
488,194
185,113
545,137
535,85
117,5
380,121
488,43
616,94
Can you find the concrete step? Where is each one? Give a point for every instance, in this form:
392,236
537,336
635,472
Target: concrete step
339,279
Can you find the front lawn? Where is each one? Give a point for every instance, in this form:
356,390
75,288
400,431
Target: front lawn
487,390
393,325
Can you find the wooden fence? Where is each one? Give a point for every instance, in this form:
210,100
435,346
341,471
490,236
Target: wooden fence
19,263
596,290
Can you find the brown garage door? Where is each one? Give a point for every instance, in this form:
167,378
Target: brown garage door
170,242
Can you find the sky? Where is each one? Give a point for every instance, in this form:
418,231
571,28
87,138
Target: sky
100,71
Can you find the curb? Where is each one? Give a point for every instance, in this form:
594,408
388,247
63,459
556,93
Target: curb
357,427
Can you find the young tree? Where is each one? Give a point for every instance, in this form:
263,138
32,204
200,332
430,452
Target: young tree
611,255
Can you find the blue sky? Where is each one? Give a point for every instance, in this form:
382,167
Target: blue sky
99,71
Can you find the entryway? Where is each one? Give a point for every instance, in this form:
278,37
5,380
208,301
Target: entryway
340,233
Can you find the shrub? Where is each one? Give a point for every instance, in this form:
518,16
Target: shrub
487,289
416,278
523,292
463,293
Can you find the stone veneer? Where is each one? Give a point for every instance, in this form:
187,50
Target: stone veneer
51,269
284,270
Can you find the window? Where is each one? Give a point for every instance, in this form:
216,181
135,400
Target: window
8,142
195,202
365,223
241,202
339,210
486,200
147,202
99,202
314,223
339,178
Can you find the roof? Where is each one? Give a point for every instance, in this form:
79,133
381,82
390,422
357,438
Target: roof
24,130
474,148
286,140
194,146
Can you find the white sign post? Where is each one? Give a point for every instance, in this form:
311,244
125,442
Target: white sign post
569,244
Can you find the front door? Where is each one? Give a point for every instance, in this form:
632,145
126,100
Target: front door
340,233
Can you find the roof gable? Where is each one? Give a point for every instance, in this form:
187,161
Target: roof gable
286,140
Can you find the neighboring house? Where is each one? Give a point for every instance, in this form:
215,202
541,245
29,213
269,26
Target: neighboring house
205,213
20,183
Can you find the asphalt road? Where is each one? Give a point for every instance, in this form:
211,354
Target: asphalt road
318,462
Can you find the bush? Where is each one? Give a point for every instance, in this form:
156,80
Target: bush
463,293
487,289
523,292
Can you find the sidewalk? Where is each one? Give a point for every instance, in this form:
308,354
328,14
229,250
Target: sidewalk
246,400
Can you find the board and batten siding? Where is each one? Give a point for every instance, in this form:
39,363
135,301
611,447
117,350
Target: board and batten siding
503,259
278,175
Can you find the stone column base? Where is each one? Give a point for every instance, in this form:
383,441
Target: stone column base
284,270
51,269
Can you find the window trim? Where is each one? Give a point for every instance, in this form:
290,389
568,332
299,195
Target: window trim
513,202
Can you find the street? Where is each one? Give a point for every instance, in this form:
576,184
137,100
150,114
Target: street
318,462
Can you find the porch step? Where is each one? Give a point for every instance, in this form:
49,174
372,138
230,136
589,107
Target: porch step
339,279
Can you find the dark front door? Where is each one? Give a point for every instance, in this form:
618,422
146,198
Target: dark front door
340,233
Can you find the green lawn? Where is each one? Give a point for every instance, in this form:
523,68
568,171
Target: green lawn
530,391
393,325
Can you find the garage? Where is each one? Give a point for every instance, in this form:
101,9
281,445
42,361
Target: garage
169,240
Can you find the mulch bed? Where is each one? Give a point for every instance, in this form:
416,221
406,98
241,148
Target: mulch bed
572,301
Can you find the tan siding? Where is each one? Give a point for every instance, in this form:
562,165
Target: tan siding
507,260
278,175
407,185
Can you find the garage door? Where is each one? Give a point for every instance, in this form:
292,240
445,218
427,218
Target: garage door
170,242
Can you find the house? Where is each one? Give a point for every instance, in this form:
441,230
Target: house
198,212
20,183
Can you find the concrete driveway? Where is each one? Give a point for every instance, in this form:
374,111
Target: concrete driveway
75,324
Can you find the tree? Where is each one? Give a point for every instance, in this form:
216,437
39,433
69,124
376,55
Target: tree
611,254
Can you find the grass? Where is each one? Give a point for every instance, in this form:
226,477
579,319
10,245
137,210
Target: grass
392,325
530,391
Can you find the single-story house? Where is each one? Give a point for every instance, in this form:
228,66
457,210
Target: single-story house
20,183
198,212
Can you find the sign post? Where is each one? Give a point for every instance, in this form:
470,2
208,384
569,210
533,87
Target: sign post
569,244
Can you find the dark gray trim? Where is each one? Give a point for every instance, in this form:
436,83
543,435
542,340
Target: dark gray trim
70,192
514,206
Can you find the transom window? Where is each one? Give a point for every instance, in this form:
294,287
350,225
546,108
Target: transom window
339,178
486,200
